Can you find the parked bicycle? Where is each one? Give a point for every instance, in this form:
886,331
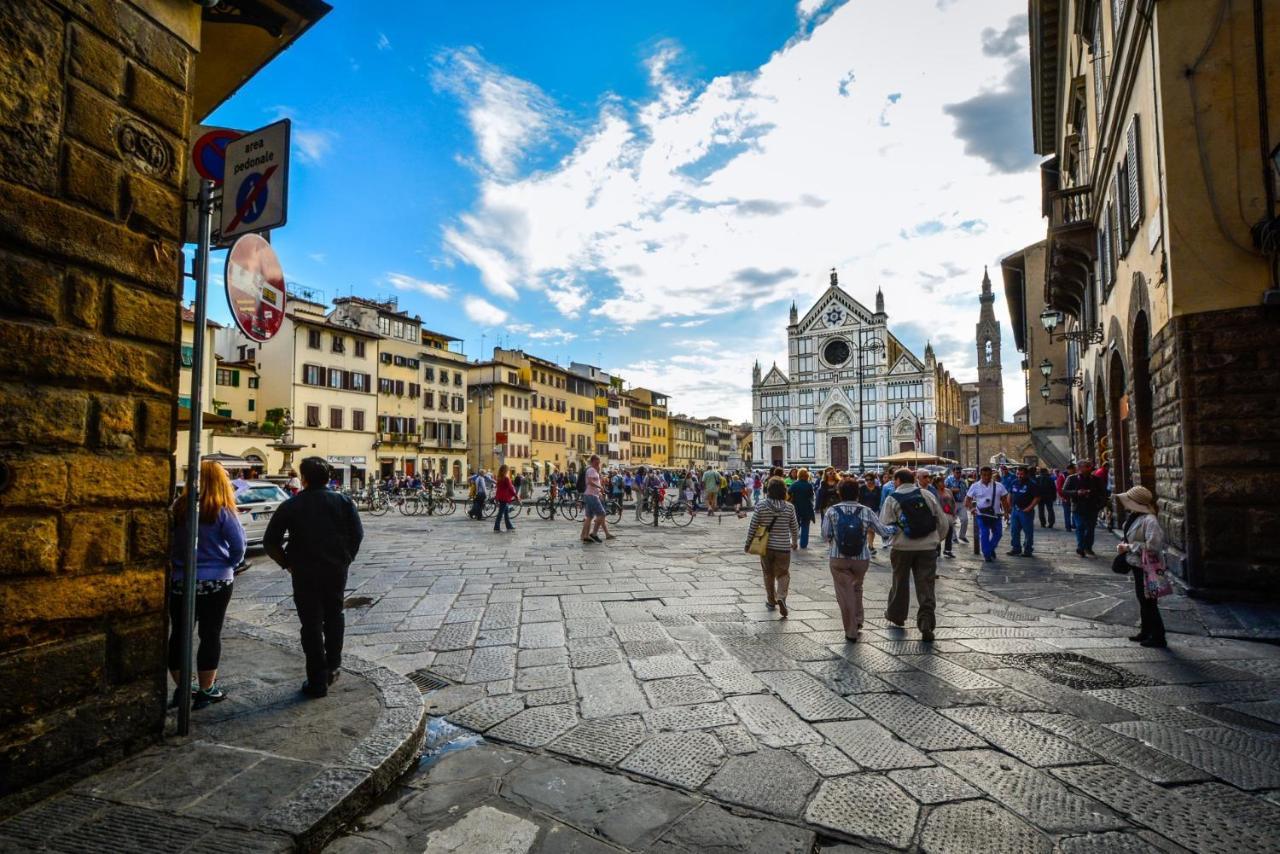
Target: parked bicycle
677,511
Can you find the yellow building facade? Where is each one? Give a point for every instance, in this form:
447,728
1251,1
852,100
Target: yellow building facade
1158,120
499,415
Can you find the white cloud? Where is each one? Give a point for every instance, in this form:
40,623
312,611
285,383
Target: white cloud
741,192
383,42
506,114
806,8
403,282
552,334
483,312
318,257
312,146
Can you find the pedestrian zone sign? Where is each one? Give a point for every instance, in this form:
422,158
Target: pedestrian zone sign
256,181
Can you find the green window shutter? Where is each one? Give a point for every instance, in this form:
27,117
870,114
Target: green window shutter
235,378
225,413
188,355
184,402
251,404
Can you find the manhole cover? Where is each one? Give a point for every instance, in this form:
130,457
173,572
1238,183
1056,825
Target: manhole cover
427,681
1076,671
357,601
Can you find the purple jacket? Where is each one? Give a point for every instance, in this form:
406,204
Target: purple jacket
219,548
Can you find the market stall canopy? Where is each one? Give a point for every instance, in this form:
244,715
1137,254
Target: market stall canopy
915,457
207,420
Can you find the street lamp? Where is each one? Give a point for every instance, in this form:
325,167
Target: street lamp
1050,318
1046,368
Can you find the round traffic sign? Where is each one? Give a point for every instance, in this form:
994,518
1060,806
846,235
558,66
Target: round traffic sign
255,287
209,153
251,201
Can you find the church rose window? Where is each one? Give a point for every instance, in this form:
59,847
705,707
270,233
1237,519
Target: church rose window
836,352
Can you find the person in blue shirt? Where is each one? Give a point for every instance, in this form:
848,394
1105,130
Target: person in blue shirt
1024,495
1007,478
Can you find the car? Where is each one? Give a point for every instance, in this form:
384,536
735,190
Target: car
255,503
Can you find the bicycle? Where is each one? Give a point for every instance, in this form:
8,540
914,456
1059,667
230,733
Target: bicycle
677,512
491,508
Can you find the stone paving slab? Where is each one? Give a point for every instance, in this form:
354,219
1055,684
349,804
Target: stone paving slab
1033,745
1030,793
656,649
867,806
266,769
769,780
980,826
1246,772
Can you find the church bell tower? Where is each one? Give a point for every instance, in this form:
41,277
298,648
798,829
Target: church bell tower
990,379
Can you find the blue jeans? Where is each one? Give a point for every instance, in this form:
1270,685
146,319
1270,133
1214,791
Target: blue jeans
1085,523
804,533
988,534
504,514
1022,523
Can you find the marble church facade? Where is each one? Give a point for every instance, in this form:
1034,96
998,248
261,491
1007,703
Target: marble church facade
851,393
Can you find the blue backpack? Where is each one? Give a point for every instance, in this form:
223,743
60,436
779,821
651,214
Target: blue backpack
851,533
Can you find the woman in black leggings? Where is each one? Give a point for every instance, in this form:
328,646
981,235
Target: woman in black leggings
219,550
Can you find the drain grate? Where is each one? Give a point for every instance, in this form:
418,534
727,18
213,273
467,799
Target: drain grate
428,681
1076,671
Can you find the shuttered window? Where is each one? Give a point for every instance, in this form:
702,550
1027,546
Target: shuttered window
1133,167
313,416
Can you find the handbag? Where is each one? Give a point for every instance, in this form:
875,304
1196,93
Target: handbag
1119,564
1157,580
759,544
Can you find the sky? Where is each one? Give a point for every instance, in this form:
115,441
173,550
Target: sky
648,186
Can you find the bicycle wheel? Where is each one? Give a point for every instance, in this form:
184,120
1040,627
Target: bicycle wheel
543,508
514,509
569,510
646,512
490,508
378,505
407,505
450,506
679,514
614,509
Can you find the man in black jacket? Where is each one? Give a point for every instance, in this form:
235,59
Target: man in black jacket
1087,495
1047,491
324,533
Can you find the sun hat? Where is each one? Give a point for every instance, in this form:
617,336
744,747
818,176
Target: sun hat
1139,499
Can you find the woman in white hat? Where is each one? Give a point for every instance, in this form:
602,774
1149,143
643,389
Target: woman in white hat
1142,533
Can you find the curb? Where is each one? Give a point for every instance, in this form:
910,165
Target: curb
324,806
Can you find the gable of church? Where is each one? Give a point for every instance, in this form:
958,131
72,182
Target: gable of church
774,377
834,310
906,364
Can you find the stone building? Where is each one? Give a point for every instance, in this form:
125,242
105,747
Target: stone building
99,100
852,392
1158,121
987,437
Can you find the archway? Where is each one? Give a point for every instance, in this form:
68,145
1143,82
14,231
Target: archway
1101,445
1117,423
1143,406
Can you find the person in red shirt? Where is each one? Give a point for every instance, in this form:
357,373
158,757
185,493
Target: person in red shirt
504,495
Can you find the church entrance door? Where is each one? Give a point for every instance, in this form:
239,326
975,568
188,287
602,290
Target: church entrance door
775,454
840,453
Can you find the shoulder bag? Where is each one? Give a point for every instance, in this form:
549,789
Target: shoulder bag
760,539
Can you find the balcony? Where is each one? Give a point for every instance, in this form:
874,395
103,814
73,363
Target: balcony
1070,209
398,438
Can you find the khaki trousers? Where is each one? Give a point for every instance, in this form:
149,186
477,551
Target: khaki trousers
848,573
777,574
922,566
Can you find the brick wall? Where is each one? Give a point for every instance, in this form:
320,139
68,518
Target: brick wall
1217,446
94,108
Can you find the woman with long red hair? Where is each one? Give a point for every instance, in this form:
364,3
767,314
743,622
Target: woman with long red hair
220,548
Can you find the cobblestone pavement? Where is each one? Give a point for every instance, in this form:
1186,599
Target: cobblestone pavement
653,656
1057,580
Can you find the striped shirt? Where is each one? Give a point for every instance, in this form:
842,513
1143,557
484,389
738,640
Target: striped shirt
782,517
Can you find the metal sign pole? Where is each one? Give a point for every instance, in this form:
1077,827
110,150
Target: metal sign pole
193,457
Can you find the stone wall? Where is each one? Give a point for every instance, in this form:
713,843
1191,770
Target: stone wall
94,111
1217,375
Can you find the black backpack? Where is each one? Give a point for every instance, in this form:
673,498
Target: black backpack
851,532
581,485
915,517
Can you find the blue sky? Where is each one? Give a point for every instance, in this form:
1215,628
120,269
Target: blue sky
648,186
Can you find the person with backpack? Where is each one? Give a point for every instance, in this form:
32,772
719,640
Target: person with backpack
845,527
1047,489
778,518
735,493
913,550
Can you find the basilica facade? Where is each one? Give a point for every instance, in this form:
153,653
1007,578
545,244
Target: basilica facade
851,393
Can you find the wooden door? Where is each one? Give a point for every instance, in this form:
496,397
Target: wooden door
775,454
840,453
